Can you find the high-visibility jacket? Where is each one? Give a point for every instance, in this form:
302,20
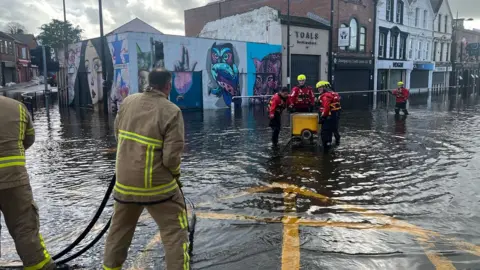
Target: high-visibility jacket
276,105
302,97
150,135
330,103
401,94
17,135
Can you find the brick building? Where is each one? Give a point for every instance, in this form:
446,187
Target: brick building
465,56
25,43
352,65
7,59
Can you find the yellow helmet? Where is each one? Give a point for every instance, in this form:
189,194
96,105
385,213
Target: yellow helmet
321,84
301,77
400,83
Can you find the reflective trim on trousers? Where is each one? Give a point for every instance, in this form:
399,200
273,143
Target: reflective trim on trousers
152,191
12,161
182,218
46,259
111,268
186,256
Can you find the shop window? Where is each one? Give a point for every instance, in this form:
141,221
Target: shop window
353,35
381,45
400,11
363,38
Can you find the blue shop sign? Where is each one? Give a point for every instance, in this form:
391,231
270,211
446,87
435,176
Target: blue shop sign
424,66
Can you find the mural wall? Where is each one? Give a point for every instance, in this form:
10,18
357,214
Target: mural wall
207,73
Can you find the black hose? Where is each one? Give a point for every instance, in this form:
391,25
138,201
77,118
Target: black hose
92,222
191,228
281,151
87,247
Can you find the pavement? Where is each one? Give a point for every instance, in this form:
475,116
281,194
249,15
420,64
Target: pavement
19,86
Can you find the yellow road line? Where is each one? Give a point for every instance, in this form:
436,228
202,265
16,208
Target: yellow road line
137,264
439,261
291,236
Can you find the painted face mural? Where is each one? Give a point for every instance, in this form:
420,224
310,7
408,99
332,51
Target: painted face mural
183,79
120,59
268,74
93,66
224,72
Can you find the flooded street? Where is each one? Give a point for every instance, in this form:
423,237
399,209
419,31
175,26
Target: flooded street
398,193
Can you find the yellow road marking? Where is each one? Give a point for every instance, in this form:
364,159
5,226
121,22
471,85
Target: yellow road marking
439,261
137,264
240,194
291,237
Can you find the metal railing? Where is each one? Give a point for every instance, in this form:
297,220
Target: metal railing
373,98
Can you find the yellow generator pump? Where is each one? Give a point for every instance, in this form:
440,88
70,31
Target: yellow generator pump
304,126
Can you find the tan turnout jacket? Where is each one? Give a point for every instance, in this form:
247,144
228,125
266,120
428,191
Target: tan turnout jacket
150,135
16,135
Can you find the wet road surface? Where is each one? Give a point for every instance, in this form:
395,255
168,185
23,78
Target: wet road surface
396,194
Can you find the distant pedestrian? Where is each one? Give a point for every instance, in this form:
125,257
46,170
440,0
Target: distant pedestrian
401,94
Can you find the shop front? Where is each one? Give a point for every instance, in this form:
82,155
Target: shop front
8,72
353,73
421,77
390,72
441,76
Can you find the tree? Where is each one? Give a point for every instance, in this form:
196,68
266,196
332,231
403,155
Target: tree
15,28
52,34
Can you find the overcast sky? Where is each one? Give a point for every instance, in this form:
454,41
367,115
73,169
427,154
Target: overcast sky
165,15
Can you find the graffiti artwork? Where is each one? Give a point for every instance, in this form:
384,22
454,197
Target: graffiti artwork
145,65
268,74
183,79
224,72
120,59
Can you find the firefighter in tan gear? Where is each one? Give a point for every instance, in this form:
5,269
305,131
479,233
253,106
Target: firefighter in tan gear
150,135
16,197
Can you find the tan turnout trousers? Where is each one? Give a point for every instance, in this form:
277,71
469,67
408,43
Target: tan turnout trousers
170,217
21,216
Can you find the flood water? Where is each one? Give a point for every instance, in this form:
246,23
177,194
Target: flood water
422,170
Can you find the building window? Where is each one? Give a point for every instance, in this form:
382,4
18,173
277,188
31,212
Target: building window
435,45
419,50
389,10
439,22
393,46
363,38
446,24
343,25
427,51
10,48
410,49
400,12
24,53
417,15
381,45
441,51
447,59
353,35
2,47
425,15
403,41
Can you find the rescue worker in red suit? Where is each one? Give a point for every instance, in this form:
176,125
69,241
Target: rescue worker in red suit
302,98
401,94
278,103
329,114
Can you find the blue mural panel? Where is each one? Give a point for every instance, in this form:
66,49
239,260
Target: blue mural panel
264,68
187,90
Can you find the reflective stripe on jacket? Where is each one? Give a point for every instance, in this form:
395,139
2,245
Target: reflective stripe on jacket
17,134
150,135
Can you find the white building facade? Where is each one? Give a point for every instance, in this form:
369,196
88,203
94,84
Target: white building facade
442,43
403,49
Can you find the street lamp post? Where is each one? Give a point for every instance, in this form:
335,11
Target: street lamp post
104,70
330,45
65,51
288,44
453,60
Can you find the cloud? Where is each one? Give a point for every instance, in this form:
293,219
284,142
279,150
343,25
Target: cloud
466,9
165,15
